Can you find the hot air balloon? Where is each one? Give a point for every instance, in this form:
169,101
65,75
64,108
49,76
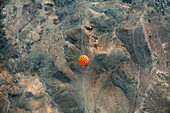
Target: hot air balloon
83,60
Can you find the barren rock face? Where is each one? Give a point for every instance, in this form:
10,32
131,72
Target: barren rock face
127,42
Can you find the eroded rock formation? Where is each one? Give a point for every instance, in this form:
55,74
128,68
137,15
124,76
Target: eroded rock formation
126,41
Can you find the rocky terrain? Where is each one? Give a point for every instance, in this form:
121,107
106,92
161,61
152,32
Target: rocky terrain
127,42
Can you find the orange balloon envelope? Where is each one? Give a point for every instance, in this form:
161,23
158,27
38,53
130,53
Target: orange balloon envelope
83,60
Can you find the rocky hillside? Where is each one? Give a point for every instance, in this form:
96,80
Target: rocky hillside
127,42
